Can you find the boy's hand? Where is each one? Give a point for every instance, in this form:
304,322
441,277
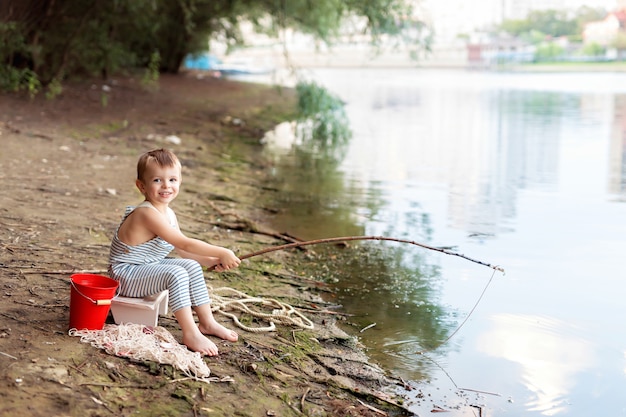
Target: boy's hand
227,261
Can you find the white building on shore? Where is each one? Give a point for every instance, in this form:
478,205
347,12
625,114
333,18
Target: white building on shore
451,19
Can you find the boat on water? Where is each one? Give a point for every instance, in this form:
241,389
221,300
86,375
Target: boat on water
208,62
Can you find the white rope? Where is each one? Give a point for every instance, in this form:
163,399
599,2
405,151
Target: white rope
145,343
226,298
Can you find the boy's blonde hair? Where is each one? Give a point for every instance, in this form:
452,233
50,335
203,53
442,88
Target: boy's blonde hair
163,158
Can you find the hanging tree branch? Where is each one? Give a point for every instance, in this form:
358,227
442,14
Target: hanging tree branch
350,238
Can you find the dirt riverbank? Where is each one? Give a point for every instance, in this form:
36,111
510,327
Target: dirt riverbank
67,169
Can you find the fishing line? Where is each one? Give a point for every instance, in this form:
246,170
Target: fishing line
434,248
465,399
437,249
421,352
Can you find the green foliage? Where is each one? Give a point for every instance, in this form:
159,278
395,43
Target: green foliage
535,37
151,75
554,23
323,124
14,79
586,14
593,49
54,88
549,52
516,27
104,99
31,82
551,24
14,76
620,41
327,19
47,41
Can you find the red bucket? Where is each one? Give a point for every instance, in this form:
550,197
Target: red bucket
90,300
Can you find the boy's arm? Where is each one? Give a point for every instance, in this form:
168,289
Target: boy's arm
208,261
185,246
218,257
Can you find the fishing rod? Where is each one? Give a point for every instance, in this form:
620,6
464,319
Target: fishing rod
351,238
391,239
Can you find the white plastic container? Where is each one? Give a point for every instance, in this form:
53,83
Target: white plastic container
144,311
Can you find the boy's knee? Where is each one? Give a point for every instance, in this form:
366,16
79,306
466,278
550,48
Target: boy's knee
193,267
177,275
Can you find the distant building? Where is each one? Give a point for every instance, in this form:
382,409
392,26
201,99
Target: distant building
499,51
449,18
605,31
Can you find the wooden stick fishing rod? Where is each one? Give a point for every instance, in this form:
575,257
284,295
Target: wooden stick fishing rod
350,238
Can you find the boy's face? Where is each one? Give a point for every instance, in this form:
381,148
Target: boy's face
160,184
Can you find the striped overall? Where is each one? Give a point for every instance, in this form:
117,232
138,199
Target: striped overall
144,269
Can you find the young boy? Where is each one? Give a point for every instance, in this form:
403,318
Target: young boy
147,234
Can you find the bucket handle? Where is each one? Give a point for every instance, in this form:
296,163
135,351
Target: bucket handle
96,302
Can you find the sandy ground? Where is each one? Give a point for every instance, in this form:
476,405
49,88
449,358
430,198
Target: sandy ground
67,172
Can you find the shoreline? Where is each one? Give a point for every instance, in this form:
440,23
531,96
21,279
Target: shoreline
450,57
68,166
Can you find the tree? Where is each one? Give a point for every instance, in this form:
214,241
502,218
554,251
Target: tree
619,42
552,23
548,51
586,14
593,49
56,39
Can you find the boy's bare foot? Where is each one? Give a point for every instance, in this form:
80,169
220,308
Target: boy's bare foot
197,342
213,328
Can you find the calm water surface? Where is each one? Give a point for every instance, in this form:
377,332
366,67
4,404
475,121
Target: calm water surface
525,171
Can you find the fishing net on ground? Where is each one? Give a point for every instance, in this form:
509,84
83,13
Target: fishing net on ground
144,343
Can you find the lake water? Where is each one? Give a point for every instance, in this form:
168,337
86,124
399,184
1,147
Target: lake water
525,171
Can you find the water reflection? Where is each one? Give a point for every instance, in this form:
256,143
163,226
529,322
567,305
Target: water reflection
393,307
617,164
390,285
536,343
320,201
527,170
